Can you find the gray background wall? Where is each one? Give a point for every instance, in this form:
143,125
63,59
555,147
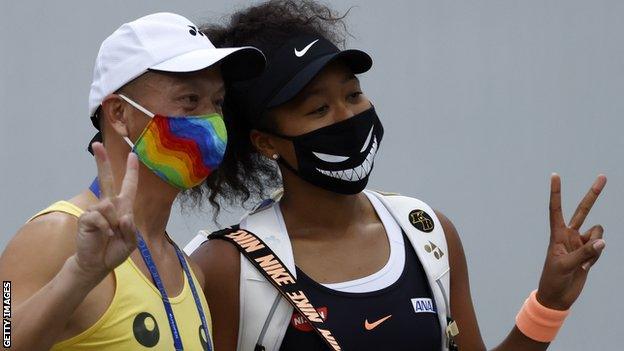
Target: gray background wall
481,101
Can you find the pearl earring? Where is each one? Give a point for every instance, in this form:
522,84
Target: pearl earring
275,156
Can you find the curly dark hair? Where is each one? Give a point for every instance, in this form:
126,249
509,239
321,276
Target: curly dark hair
244,174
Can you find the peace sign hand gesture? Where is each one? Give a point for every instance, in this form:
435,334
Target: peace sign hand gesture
570,254
106,231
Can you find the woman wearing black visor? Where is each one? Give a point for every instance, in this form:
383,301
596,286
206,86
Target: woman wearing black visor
327,264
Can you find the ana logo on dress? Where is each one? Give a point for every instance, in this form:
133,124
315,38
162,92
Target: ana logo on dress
423,305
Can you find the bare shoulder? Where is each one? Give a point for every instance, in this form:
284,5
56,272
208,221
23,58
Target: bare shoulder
38,251
48,237
218,260
450,232
457,256
199,273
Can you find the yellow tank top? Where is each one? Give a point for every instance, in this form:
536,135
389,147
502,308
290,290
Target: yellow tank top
136,318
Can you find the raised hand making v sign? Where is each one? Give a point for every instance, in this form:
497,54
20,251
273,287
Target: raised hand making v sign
569,257
63,274
106,230
570,254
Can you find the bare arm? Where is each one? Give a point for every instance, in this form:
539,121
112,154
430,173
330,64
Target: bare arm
569,257
220,262
44,291
47,287
469,338
53,273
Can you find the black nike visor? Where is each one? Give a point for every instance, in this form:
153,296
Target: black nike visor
291,68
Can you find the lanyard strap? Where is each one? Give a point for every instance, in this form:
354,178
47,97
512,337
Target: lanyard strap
200,309
273,269
151,266
95,187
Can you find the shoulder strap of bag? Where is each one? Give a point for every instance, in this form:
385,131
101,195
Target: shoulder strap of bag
418,221
274,270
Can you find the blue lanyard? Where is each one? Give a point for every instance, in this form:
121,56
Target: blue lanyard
151,266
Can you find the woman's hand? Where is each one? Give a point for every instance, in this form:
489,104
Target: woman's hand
106,231
570,254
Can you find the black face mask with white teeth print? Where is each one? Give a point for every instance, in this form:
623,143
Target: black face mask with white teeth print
340,156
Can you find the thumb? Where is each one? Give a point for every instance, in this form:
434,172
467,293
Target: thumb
591,249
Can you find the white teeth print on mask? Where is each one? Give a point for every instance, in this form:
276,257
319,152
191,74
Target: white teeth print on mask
358,173
338,157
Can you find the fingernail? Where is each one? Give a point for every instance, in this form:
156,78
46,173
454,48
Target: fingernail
599,244
586,265
111,232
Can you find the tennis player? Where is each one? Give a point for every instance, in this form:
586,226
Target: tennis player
328,264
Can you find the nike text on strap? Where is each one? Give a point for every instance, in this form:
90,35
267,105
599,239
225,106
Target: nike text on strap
274,270
151,266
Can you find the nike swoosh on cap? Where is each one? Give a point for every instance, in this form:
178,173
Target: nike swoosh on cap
371,326
304,50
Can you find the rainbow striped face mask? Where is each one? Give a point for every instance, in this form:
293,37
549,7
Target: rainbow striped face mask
181,150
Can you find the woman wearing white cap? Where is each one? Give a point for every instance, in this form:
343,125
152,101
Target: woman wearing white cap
99,272
331,265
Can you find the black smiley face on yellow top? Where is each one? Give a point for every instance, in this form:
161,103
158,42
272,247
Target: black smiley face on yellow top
145,329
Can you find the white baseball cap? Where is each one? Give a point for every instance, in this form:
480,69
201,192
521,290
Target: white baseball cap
164,42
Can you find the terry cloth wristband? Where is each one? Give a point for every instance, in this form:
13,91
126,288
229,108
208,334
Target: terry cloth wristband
538,322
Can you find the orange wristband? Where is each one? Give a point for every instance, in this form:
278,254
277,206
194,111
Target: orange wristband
538,322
